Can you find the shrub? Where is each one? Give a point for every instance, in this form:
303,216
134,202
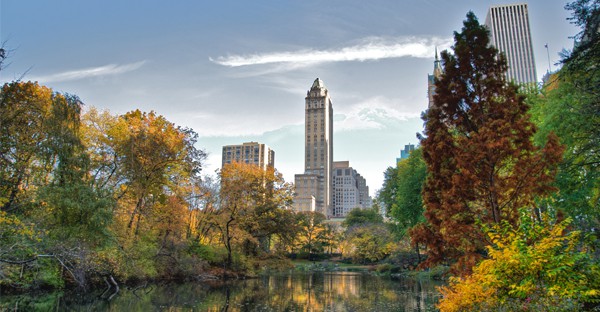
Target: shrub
536,266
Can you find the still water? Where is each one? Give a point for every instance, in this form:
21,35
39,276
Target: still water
323,291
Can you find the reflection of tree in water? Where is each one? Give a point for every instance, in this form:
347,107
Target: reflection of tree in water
340,291
346,292
227,295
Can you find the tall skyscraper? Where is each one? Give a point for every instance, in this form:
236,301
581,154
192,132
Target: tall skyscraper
250,153
314,187
510,33
437,72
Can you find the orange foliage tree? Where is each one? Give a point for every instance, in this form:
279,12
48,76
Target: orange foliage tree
482,164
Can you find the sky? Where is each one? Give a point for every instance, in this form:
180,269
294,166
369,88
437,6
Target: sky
238,71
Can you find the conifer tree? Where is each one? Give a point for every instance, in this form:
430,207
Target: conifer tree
481,161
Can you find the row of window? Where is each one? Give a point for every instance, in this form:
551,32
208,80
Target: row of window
510,26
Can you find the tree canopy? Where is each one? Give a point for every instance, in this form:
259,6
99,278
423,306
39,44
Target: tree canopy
482,164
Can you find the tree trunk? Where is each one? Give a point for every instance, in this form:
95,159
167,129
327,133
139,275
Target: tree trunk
418,253
136,210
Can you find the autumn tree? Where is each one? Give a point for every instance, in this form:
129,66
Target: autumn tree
252,204
482,164
25,160
203,205
536,266
99,135
156,157
46,182
82,198
149,166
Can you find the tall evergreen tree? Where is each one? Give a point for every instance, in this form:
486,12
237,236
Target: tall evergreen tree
481,161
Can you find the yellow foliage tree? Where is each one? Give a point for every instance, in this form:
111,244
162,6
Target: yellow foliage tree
536,267
251,208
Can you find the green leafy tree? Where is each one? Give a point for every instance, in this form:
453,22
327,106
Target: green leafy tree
569,106
559,110
313,234
387,194
481,161
73,205
359,217
370,242
407,207
367,237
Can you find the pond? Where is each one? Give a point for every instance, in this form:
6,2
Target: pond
321,291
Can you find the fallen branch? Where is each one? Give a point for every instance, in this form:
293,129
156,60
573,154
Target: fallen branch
108,287
24,261
112,279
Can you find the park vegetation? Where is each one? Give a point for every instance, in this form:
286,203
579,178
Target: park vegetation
509,193
90,198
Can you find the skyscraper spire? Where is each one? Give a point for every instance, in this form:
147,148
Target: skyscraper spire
437,73
318,84
437,65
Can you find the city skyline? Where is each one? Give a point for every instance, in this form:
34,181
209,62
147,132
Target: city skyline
249,63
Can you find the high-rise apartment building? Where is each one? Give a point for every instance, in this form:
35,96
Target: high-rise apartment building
511,34
314,186
250,153
350,190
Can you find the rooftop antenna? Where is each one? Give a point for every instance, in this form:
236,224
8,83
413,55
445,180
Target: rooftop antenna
548,51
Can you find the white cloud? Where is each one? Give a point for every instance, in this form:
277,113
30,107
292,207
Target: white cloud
373,113
111,69
370,49
229,125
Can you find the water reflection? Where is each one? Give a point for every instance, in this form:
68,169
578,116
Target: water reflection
339,291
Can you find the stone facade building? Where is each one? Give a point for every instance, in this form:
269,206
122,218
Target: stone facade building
249,153
314,186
